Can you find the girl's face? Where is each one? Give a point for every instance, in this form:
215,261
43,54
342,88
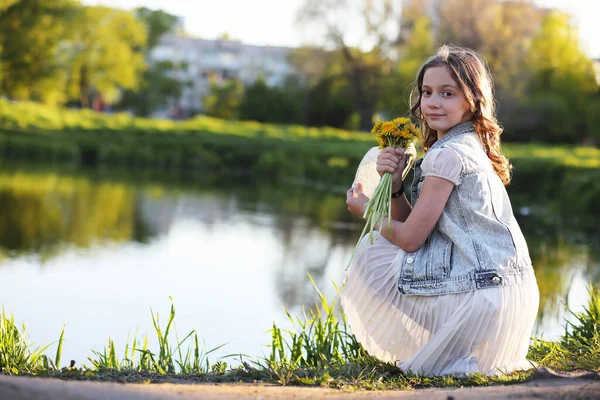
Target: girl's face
443,104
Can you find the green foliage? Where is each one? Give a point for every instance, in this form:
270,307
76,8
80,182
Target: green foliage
4,4
31,131
568,176
329,103
418,47
62,52
365,71
158,22
223,100
501,30
326,102
105,54
55,51
524,45
31,34
156,90
563,83
262,103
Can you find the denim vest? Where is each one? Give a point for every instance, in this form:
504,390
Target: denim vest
477,242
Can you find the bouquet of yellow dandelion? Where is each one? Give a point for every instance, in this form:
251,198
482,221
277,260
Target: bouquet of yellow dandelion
398,133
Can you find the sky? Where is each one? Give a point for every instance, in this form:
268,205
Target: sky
273,22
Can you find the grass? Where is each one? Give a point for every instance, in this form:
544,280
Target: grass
42,118
318,351
564,155
171,358
30,131
579,347
17,355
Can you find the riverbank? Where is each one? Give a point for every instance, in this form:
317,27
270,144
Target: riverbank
320,352
35,132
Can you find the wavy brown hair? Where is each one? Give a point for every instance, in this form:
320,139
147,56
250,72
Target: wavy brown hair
474,79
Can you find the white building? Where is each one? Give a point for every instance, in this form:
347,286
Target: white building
220,59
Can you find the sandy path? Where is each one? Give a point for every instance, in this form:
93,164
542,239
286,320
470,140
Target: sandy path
25,388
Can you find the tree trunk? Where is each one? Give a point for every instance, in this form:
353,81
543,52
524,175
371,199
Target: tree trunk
363,99
83,87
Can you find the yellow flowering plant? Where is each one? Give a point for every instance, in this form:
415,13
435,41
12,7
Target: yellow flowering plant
397,133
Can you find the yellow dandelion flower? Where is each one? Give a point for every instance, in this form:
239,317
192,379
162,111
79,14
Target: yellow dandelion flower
388,127
399,132
377,127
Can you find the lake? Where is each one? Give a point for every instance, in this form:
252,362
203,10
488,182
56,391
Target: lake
96,252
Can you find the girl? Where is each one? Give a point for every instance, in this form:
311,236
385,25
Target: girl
451,289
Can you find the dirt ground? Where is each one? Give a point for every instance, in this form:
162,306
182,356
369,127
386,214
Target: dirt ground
544,387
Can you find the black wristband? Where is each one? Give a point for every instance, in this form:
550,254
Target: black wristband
399,192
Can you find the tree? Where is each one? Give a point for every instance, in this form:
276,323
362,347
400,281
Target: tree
4,4
158,22
30,34
364,69
511,28
329,103
156,86
282,105
312,63
563,82
500,30
156,89
415,49
106,53
223,100
464,22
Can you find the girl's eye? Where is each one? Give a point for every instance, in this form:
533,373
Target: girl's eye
448,94
426,92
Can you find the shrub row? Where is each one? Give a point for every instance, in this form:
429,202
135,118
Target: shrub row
278,152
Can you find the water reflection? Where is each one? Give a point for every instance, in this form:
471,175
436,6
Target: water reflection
42,212
231,253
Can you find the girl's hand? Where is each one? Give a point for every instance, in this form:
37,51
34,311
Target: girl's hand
356,200
393,161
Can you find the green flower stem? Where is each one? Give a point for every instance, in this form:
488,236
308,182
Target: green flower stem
377,209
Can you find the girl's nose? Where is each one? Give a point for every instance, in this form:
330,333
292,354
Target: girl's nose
433,102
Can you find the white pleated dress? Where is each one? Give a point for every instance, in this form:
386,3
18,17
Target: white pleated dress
484,331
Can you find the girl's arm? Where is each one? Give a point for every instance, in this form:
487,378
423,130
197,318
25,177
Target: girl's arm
412,233
401,208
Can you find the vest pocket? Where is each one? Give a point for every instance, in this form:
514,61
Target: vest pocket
440,256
